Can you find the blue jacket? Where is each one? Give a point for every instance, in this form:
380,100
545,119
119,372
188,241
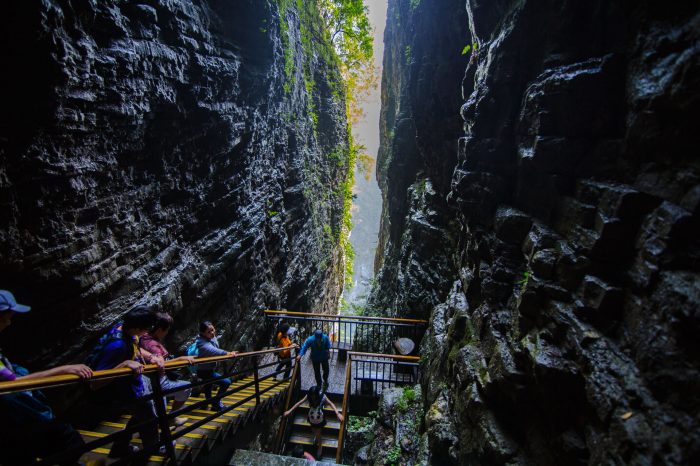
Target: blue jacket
319,352
206,348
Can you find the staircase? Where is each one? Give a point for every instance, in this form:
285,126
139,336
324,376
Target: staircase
301,433
203,439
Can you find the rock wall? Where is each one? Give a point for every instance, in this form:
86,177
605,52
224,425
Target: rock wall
165,152
565,328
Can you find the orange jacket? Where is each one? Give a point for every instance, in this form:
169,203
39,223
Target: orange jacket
283,341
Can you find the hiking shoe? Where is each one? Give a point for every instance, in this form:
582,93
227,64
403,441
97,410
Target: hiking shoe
127,450
162,451
178,421
218,407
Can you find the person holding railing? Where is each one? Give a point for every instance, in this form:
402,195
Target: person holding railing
284,340
315,417
320,346
28,427
117,349
152,342
207,346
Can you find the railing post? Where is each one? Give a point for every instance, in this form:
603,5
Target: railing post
257,382
163,423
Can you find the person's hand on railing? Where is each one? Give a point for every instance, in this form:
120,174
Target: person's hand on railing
287,413
233,353
81,370
158,361
189,359
340,417
136,367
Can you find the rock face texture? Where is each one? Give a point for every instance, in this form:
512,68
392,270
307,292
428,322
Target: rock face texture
165,152
555,242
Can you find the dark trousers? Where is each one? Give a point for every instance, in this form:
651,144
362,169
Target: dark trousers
118,397
223,384
317,371
140,410
282,363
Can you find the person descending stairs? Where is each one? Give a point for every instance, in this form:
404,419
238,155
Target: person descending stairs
314,427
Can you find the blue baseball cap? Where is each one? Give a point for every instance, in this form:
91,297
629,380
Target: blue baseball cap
318,333
8,303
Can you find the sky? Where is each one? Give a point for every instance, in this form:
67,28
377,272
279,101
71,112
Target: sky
367,205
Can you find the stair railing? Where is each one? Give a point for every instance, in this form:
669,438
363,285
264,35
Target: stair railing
358,359
162,418
292,393
353,333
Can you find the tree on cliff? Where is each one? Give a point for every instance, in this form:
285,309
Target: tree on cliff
351,36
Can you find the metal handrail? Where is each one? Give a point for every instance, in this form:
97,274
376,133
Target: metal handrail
158,396
23,384
343,317
285,422
346,394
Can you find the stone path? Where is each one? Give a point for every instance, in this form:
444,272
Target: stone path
336,378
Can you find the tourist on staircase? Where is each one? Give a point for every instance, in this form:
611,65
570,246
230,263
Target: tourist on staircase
316,418
29,428
120,348
284,340
207,346
152,342
320,346
298,452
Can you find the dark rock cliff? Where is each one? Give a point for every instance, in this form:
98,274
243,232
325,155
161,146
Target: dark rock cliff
559,255
165,152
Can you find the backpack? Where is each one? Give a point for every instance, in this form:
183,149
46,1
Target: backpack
315,415
192,350
93,358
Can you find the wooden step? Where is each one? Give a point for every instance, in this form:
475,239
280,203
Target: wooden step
211,433
101,454
196,441
302,438
301,421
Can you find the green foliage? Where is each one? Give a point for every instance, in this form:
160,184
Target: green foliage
359,423
272,213
473,46
407,54
393,456
410,394
414,4
402,405
523,283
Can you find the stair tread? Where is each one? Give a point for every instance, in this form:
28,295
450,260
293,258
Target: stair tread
300,438
301,420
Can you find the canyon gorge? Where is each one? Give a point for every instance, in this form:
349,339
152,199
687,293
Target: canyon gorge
541,203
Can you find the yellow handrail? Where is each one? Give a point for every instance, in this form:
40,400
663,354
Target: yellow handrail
24,384
346,391
346,394
284,420
341,317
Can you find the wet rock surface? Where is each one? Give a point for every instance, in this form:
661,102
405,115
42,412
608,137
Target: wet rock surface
157,152
394,436
563,310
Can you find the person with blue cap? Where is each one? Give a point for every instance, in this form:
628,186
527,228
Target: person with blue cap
28,425
320,346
